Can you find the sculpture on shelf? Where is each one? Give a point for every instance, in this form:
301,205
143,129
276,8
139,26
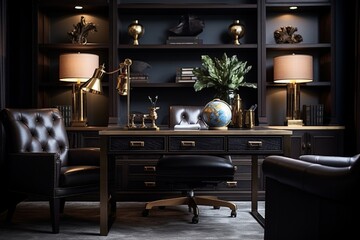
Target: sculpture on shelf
236,31
287,35
81,31
136,30
189,25
152,116
139,66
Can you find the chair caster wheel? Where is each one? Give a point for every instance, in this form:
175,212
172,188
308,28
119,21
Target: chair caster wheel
195,220
145,213
233,213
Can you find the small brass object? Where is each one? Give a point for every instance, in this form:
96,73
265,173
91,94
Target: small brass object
237,112
136,30
237,31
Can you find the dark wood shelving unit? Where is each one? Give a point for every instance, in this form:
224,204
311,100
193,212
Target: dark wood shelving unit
315,21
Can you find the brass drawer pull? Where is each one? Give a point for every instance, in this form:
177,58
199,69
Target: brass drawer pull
149,168
188,143
255,143
231,184
150,184
137,143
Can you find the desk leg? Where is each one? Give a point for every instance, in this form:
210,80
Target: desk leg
254,190
107,198
104,192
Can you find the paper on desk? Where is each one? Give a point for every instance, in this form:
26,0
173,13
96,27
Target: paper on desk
187,127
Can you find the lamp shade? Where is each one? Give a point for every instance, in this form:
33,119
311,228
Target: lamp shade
77,67
293,69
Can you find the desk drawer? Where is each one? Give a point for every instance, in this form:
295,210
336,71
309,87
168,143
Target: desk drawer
137,144
256,145
188,144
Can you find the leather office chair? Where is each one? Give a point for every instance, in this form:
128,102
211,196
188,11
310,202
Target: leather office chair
313,197
39,162
189,172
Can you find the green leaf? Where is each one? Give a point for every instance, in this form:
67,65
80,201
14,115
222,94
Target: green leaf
222,73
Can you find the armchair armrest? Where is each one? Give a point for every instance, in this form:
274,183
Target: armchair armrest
33,172
336,183
334,161
84,156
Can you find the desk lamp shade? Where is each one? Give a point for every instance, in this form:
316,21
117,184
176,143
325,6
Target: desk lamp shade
292,70
78,68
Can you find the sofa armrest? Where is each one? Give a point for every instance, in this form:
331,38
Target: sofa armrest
33,172
336,183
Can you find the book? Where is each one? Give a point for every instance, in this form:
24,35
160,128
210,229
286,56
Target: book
184,40
66,113
313,115
185,79
139,77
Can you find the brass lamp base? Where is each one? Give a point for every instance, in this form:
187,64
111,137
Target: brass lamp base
295,122
78,123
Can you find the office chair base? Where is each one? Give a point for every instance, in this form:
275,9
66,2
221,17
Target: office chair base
192,202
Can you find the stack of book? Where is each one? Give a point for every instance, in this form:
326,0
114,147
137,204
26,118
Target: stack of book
185,74
66,112
184,40
139,77
313,115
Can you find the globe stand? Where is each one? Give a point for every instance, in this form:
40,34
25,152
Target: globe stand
218,128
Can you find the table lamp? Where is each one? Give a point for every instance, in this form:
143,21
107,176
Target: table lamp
123,81
293,69
78,68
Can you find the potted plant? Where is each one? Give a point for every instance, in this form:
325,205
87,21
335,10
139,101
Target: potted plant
225,75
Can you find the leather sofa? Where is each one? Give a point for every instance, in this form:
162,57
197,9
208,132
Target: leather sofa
313,197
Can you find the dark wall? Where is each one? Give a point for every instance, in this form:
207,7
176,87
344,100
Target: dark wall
19,56
348,43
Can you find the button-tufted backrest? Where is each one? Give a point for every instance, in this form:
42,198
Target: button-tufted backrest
35,130
186,115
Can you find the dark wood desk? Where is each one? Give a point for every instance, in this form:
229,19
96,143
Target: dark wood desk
119,142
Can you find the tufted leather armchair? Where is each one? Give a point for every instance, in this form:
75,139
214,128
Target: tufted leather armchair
313,197
39,162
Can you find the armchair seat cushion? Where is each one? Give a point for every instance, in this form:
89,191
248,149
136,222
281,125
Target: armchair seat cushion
79,175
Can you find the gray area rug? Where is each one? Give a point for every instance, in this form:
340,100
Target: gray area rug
81,221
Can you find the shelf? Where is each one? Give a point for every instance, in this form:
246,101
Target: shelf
295,46
161,85
195,8
188,46
70,46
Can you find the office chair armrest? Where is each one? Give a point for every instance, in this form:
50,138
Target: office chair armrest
334,161
336,183
33,172
84,156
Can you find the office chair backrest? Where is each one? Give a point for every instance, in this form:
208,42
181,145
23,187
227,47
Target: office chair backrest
35,130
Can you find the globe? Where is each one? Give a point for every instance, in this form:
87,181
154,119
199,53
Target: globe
217,114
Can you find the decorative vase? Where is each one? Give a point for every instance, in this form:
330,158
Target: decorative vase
237,31
227,96
136,30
